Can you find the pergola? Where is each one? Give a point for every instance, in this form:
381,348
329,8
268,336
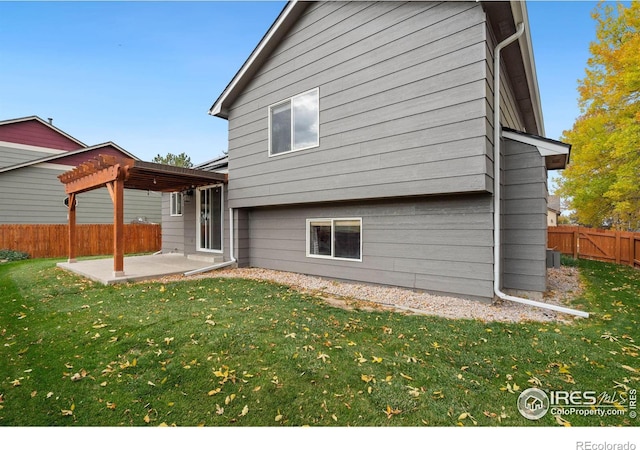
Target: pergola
118,174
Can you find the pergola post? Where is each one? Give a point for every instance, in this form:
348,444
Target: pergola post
116,191
118,173
118,227
72,228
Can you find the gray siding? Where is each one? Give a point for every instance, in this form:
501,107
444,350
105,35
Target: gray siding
179,233
402,106
242,241
172,228
439,244
524,220
10,156
34,195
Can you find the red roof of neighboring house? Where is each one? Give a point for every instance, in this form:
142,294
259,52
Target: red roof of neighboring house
37,132
76,157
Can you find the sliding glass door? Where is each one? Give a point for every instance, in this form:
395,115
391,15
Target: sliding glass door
210,219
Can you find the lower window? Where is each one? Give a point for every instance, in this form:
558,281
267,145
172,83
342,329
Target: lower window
334,238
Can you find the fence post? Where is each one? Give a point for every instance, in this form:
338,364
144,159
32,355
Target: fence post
618,247
575,245
632,250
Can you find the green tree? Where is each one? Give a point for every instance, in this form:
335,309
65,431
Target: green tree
181,160
602,182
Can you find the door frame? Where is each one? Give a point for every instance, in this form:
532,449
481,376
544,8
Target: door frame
199,247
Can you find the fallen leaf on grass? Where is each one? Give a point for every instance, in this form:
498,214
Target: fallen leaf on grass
563,422
214,391
466,415
68,412
79,375
367,378
629,368
245,410
390,412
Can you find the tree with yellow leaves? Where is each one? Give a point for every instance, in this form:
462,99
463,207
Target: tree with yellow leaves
602,182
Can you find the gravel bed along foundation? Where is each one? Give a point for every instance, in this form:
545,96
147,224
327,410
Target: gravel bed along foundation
563,283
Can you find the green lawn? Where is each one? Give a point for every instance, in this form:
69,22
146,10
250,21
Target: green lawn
223,352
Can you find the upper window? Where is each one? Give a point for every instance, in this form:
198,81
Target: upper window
176,203
334,238
294,123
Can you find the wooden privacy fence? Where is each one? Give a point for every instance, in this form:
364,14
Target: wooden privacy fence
620,247
52,241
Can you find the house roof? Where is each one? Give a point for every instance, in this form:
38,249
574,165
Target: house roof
219,164
53,158
556,154
45,123
553,203
277,31
519,60
504,17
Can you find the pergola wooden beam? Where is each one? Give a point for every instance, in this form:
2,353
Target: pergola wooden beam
120,173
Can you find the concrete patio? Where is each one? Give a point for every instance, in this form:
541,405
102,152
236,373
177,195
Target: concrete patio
136,268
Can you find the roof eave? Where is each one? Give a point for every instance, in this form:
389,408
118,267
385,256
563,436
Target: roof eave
287,17
519,11
555,153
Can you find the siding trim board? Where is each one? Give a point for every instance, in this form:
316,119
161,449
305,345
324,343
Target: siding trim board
32,148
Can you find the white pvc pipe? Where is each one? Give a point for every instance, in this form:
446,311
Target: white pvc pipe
497,241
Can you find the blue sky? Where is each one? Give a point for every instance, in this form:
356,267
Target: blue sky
144,74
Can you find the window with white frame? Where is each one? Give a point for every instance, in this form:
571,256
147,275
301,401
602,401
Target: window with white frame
176,203
294,123
334,238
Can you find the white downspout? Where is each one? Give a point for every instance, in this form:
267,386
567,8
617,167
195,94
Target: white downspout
232,259
231,255
497,241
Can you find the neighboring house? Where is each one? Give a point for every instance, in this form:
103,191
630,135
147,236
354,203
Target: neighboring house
33,153
553,210
361,145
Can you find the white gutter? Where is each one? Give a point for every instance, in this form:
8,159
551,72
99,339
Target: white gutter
232,259
497,265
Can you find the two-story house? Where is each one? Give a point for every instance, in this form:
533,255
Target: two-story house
362,138
33,152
